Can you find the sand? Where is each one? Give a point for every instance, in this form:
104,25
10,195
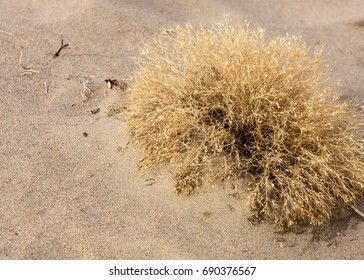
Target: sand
70,187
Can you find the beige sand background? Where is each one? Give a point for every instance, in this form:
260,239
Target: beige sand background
67,196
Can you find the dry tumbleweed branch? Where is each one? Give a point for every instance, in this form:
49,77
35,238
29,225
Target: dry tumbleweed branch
228,102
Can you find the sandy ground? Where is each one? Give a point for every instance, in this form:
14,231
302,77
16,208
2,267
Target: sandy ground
65,194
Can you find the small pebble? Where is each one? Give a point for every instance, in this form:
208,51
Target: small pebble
95,111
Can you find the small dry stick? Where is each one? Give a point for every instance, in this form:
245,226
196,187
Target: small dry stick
45,87
18,42
58,53
28,71
356,210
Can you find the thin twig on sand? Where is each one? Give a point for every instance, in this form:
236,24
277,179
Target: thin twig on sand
357,211
18,42
28,69
58,53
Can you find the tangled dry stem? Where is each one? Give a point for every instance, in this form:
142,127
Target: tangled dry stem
227,102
